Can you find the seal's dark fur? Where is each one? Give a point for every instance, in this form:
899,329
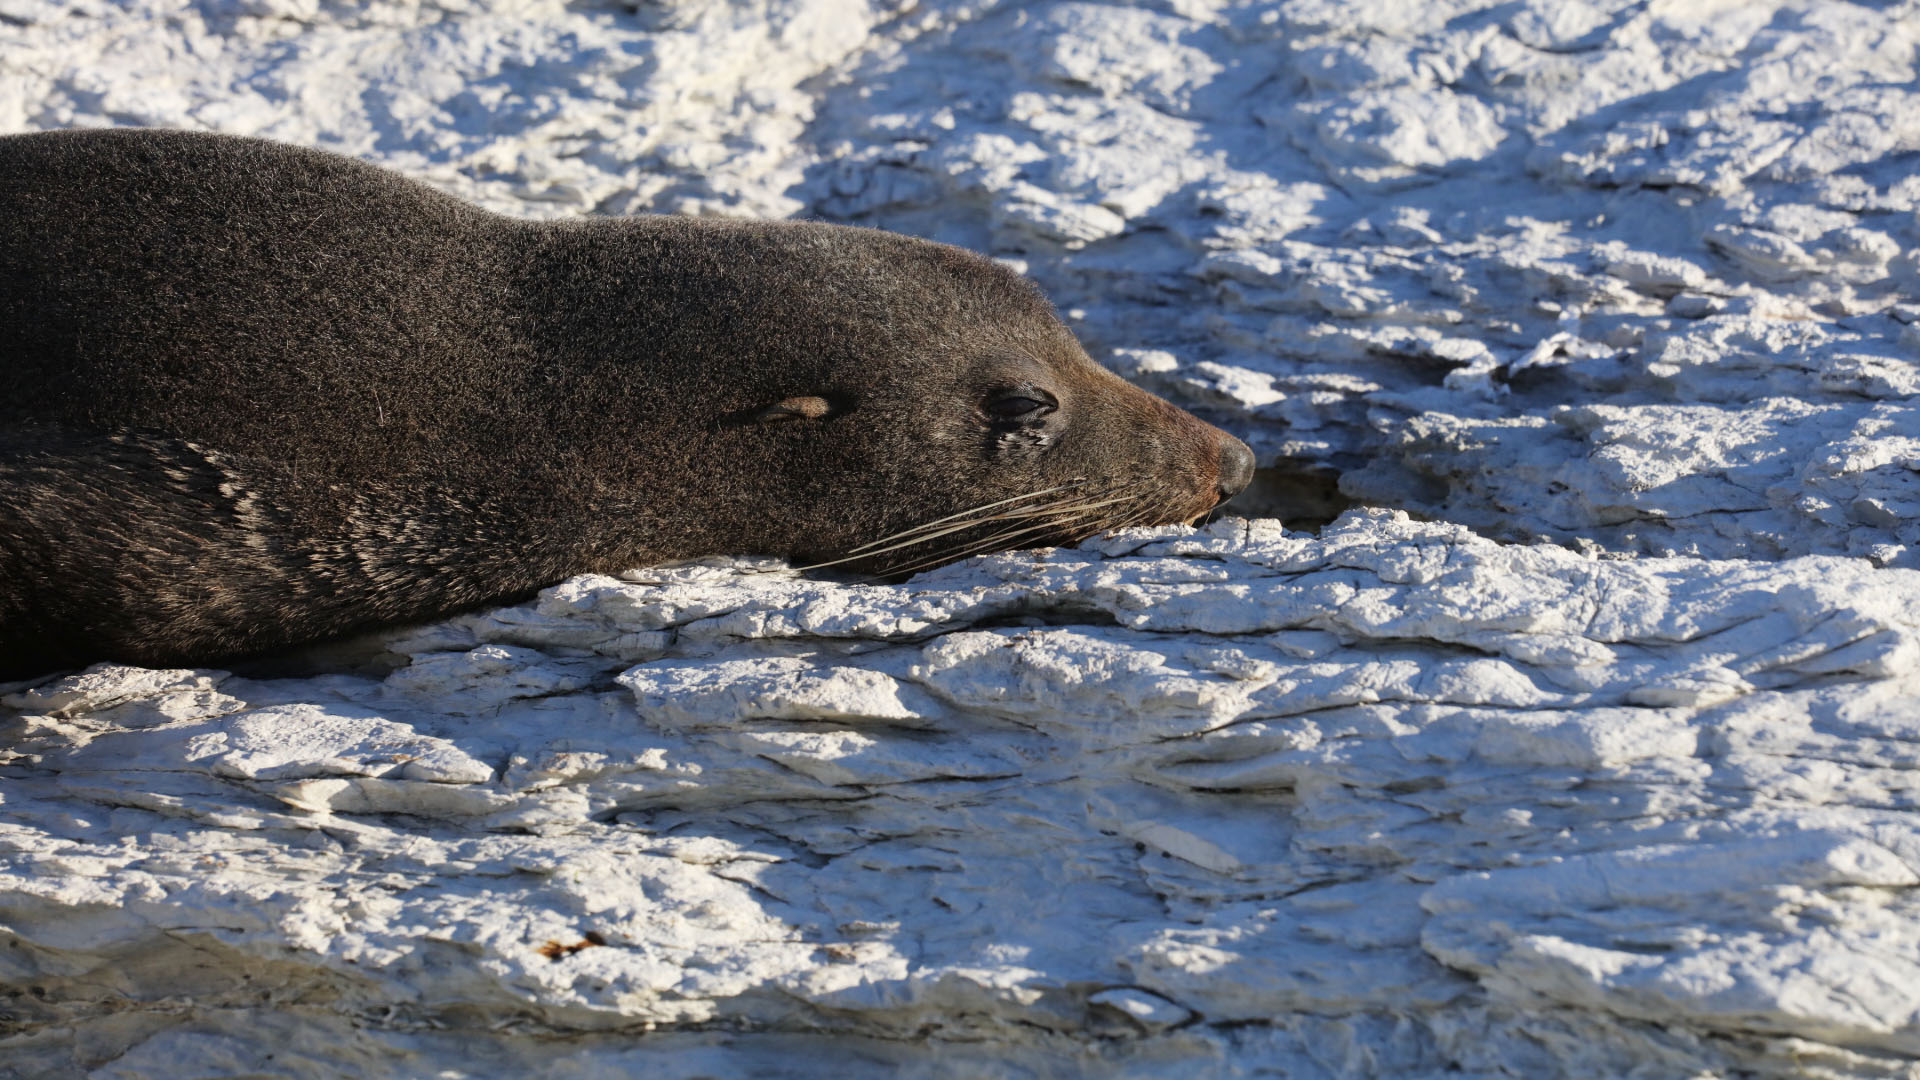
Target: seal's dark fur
258,395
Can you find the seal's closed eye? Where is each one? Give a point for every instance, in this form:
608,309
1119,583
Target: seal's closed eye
1028,403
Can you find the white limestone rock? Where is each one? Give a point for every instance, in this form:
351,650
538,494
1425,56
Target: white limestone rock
1150,790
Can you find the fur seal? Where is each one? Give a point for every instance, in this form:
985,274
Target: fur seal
261,395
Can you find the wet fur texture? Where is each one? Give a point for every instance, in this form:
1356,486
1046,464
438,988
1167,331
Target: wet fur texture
260,395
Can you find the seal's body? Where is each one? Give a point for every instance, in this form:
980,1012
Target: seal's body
260,395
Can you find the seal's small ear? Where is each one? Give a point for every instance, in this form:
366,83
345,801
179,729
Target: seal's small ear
789,410
793,408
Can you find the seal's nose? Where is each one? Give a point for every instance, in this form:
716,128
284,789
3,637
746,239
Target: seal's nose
1236,467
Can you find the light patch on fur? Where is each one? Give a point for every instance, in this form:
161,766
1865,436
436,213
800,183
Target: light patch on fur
1021,444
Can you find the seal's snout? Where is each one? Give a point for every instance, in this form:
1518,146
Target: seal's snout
1236,467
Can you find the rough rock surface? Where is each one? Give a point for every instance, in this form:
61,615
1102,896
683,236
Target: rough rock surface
1606,768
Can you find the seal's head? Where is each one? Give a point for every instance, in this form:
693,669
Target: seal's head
915,403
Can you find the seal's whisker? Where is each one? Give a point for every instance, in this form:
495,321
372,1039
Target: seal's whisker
915,537
1143,511
1064,518
916,541
992,543
967,513
1072,523
1071,520
1138,517
1004,538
